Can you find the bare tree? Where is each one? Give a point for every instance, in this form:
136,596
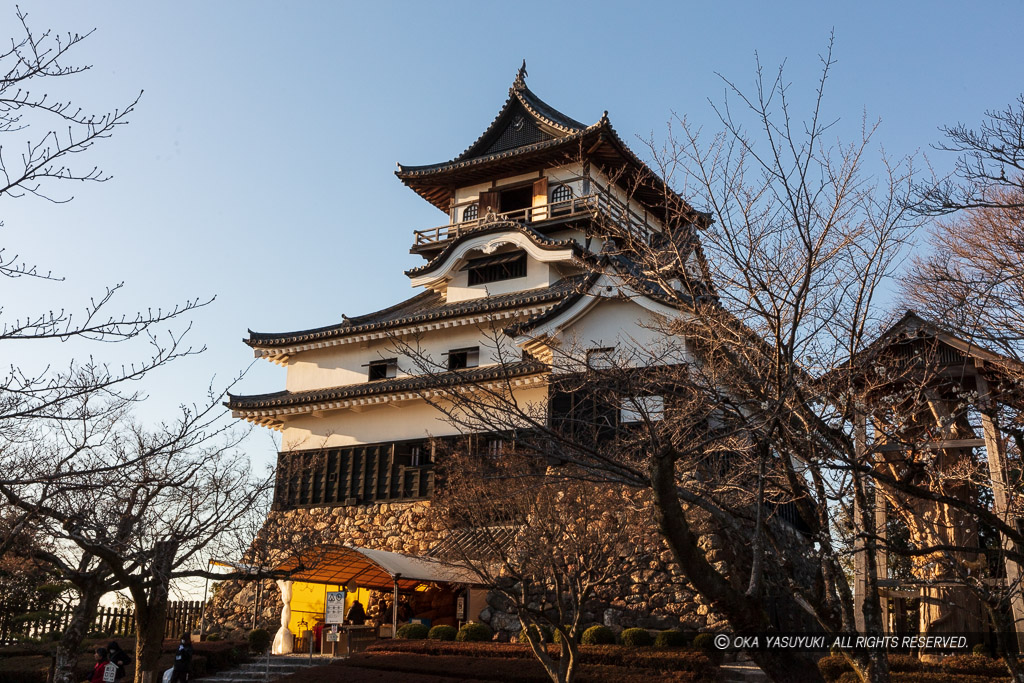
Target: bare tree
547,543
59,415
136,509
989,172
776,284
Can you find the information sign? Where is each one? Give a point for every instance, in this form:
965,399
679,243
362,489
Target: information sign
110,673
334,608
460,608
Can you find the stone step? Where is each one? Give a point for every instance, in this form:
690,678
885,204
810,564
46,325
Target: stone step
743,673
259,671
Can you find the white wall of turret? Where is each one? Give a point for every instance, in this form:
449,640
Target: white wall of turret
397,421
346,364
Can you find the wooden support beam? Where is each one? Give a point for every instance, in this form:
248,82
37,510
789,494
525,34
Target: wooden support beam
860,563
1000,480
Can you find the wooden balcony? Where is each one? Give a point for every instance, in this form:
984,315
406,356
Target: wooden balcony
600,205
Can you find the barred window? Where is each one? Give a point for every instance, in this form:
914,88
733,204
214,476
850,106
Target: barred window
561,193
471,212
496,268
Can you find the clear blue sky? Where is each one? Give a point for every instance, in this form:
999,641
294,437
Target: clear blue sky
258,166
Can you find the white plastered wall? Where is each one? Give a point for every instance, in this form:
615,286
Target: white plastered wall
638,335
539,275
412,419
342,365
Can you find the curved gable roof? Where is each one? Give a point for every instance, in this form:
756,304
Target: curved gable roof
495,228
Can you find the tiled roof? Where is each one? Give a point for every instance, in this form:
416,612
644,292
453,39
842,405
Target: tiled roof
428,306
489,228
283,399
551,124
462,161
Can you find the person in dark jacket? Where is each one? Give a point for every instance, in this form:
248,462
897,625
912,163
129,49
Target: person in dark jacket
101,664
119,657
356,614
182,661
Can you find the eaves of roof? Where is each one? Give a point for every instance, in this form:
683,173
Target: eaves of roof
424,307
415,383
492,228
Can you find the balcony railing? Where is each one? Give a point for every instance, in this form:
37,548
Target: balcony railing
591,205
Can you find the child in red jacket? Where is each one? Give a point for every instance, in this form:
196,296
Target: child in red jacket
101,664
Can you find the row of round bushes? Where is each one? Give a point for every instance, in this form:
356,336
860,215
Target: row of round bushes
469,633
595,635
602,635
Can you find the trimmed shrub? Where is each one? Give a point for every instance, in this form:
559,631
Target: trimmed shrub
259,640
637,637
442,633
975,665
540,634
903,663
412,632
832,668
556,635
598,635
474,633
213,637
671,638
705,642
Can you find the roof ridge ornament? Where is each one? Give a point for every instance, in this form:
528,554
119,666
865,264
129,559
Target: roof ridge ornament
521,75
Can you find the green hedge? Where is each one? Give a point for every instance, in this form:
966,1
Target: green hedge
412,632
672,638
556,635
442,633
474,632
259,640
637,637
910,669
598,635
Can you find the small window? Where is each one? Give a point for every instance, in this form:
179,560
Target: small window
560,199
382,369
497,268
416,456
599,359
471,212
561,193
495,448
464,358
638,408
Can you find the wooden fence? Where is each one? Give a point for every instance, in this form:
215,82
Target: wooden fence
18,625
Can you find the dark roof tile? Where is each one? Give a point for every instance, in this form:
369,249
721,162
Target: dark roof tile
282,399
423,307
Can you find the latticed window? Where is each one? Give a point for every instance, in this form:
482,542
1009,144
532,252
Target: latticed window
561,196
561,193
495,268
471,212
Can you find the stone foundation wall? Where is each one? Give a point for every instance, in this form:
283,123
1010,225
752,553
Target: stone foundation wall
650,592
397,527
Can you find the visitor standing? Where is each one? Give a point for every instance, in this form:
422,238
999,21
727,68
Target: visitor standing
182,660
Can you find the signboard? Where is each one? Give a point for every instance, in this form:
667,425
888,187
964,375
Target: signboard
334,608
110,673
333,637
460,608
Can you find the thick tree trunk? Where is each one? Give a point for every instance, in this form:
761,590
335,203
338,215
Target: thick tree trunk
151,615
66,657
874,663
745,614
